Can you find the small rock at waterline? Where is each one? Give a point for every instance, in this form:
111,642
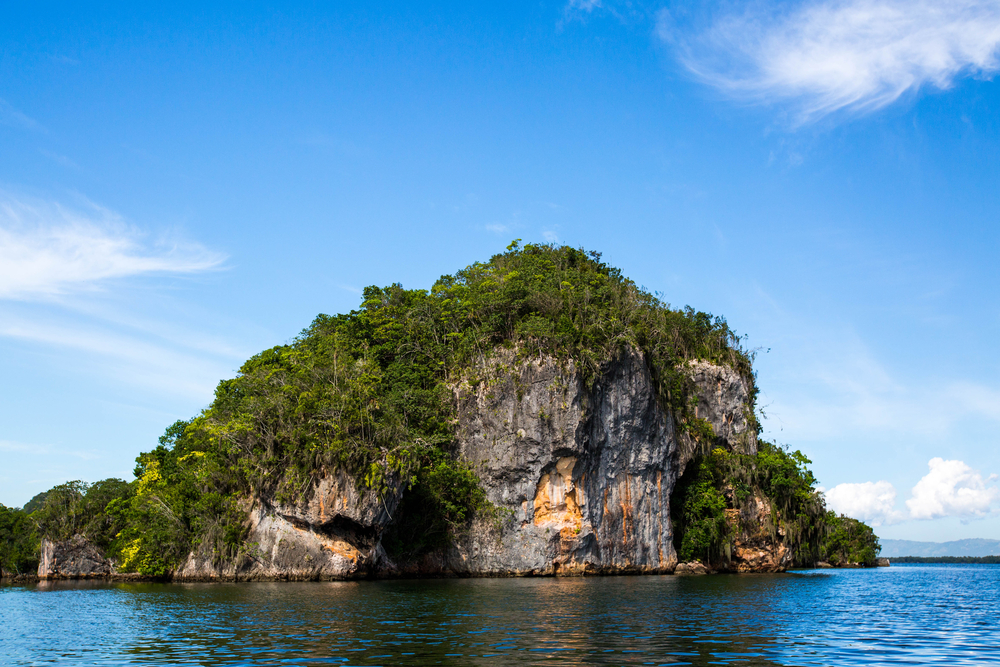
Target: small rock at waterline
691,568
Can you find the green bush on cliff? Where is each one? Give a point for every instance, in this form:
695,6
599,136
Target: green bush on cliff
184,496
699,513
724,480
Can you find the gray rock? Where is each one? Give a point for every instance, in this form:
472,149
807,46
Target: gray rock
75,558
582,476
336,534
693,567
756,547
723,400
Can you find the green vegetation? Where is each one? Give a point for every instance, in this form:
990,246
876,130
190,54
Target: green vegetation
58,514
848,542
724,480
370,392
699,513
18,542
80,508
977,560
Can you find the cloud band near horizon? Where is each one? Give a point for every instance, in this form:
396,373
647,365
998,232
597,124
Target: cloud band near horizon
950,489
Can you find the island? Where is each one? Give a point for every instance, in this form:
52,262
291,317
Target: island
534,414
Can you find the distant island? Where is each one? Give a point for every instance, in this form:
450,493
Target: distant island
535,414
957,548
980,560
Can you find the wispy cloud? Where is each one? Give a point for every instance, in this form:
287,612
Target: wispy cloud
61,160
830,55
48,249
10,446
583,5
11,117
844,388
67,285
124,356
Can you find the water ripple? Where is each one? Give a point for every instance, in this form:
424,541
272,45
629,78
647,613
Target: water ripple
903,615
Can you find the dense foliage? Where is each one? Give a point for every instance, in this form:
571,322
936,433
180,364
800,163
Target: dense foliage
848,542
724,480
63,511
80,508
18,542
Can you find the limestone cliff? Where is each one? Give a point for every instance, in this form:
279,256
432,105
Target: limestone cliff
755,547
581,478
334,535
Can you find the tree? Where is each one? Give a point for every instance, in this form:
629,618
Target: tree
18,542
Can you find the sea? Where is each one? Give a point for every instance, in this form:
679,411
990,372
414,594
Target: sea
900,615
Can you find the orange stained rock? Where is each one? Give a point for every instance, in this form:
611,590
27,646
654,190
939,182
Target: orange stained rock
343,549
659,516
556,498
626,503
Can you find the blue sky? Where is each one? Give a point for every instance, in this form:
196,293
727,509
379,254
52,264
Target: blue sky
181,187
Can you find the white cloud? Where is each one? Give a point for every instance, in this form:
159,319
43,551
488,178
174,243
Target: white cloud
550,236
841,54
48,249
872,502
55,263
952,488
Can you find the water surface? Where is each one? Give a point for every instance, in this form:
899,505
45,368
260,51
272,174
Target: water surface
903,615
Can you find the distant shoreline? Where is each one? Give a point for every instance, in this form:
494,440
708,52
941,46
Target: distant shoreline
982,560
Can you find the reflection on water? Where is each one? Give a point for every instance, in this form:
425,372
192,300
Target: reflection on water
900,615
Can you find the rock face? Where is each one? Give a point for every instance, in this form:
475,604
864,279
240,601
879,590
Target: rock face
756,548
582,476
724,401
75,558
334,535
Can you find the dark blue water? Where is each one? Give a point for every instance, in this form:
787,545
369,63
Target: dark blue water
903,615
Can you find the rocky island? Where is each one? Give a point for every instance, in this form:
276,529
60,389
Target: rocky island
536,414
